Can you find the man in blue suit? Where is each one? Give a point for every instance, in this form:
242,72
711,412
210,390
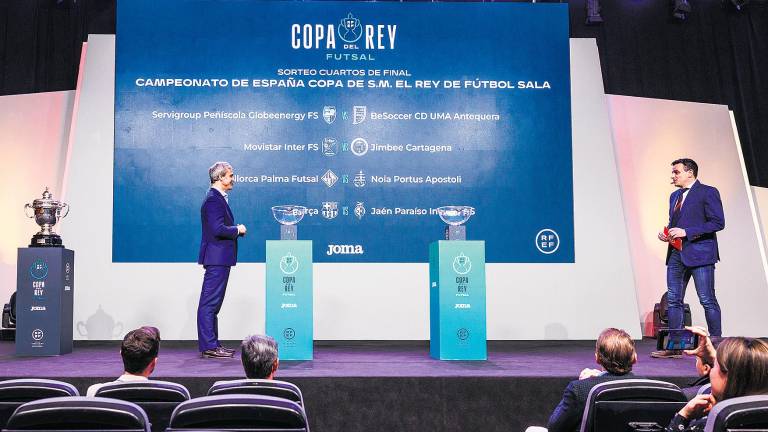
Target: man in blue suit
695,215
218,253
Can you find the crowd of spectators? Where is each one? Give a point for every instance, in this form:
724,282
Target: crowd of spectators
738,366
140,348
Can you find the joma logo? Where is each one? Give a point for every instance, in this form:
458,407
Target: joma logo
345,250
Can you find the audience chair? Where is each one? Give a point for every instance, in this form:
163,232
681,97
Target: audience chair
705,389
629,404
239,413
157,398
746,413
78,413
276,388
14,393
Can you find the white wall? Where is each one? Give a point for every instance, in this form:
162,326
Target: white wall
355,301
34,131
761,203
649,134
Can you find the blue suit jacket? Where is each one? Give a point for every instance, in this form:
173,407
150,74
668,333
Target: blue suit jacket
701,216
567,414
218,245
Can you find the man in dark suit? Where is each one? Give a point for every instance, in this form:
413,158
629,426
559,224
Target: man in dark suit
615,353
695,215
218,253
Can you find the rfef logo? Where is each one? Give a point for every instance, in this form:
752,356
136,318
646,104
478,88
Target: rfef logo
547,241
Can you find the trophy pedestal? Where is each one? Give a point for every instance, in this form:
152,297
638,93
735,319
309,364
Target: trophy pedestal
46,240
45,288
455,232
457,323
289,314
288,232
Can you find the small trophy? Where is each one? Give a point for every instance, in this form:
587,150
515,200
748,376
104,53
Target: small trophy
455,217
46,212
288,216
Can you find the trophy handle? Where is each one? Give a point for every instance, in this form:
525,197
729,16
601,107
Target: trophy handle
81,327
118,330
63,206
26,213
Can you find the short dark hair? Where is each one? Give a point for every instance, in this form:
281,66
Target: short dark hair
259,356
139,348
744,361
689,164
615,351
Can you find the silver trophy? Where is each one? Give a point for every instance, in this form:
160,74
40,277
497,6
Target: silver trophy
46,212
288,216
455,217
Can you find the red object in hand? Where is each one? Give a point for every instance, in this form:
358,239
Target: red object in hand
676,243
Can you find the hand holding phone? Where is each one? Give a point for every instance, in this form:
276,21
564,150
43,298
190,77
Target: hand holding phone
677,339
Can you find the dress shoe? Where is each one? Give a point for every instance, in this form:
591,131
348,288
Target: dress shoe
230,350
216,353
667,354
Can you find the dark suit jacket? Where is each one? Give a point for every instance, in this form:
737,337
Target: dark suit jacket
701,216
567,415
218,245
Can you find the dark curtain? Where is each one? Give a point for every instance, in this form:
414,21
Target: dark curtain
718,55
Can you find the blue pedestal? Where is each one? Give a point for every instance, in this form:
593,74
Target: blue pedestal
45,284
457,300
289,317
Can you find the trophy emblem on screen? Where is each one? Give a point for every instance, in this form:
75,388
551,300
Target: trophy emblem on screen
455,217
350,29
46,212
288,216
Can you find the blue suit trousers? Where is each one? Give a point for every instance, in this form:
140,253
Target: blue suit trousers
211,299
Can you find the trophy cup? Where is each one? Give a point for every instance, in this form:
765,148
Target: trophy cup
288,216
46,212
455,217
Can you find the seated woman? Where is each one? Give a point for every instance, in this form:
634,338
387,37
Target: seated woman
740,369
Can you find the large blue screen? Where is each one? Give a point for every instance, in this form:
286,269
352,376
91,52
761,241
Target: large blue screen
370,114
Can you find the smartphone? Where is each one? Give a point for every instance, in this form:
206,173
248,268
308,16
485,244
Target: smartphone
677,339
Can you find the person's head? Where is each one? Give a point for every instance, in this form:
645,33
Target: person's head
702,368
259,356
221,175
684,172
139,350
615,351
741,368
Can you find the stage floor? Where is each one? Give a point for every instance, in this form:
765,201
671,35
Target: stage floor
378,385
347,359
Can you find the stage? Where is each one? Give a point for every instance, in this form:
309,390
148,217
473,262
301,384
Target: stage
378,385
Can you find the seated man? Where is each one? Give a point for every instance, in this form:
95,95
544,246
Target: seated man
615,353
702,368
259,357
139,351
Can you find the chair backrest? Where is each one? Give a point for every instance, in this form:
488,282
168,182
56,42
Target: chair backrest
276,388
78,413
14,393
613,405
746,413
157,398
705,389
239,413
